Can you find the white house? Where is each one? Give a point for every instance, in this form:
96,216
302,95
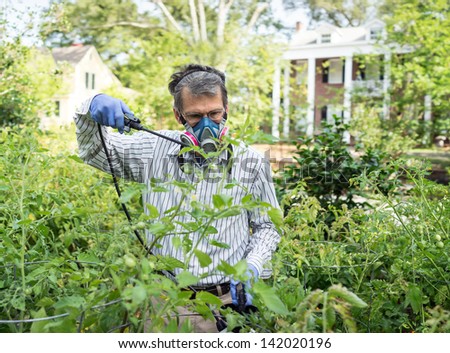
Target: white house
84,74
326,59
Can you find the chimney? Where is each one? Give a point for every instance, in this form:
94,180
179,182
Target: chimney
298,26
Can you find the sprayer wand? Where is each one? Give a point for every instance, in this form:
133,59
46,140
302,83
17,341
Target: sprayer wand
131,122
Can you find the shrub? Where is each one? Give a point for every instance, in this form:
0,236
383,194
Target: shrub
325,169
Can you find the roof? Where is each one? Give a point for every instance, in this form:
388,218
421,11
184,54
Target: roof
344,35
72,54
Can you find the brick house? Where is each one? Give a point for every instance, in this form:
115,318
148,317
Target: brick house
330,66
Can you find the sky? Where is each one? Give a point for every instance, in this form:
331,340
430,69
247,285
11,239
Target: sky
16,14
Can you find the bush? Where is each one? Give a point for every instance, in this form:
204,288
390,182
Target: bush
326,168
29,81
394,256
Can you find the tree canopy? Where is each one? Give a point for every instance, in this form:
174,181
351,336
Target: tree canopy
144,48
422,29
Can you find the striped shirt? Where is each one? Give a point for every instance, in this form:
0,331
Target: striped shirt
154,161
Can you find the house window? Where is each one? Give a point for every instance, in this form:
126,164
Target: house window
57,108
375,33
373,70
325,71
325,38
323,113
93,81
327,113
336,71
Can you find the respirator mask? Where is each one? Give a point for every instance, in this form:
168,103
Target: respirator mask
206,134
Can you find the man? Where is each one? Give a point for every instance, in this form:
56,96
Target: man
201,105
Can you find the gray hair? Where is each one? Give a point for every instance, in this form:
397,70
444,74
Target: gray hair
200,81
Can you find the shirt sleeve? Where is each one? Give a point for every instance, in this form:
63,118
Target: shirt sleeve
130,154
265,237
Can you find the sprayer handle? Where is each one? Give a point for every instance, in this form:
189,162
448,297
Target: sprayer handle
131,122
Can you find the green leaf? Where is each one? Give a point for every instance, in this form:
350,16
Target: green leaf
276,216
159,227
139,294
38,326
4,187
152,211
218,202
219,244
247,199
226,268
270,298
211,230
72,301
204,310
329,316
230,185
203,258
414,297
176,242
222,201
230,212
159,189
87,257
208,298
185,279
170,263
241,268
46,301
76,158
128,194
342,292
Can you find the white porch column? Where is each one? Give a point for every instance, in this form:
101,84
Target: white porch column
311,96
276,100
386,85
286,99
348,84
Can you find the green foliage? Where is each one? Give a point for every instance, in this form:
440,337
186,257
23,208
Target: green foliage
325,169
144,49
28,81
420,29
339,13
393,255
372,131
65,251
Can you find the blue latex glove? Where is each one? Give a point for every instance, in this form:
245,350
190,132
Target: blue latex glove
252,273
109,111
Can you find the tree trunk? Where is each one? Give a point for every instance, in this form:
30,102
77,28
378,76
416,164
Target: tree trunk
202,20
224,6
168,15
259,9
194,21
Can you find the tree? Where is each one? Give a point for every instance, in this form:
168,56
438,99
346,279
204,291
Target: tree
28,80
340,13
422,73
144,48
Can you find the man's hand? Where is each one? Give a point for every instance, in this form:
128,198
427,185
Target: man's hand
239,291
109,111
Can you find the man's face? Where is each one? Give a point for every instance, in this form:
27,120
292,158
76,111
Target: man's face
196,107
